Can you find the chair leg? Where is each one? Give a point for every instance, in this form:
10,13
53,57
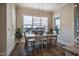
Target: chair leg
41,45
33,46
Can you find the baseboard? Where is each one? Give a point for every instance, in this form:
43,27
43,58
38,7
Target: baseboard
64,43
12,52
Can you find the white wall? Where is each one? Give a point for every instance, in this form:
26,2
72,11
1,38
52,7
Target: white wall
67,24
11,23
20,11
7,28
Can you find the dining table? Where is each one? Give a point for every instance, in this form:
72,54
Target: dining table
32,37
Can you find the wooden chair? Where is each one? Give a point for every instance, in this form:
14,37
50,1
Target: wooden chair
25,40
29,44
44,42
38,42
54,41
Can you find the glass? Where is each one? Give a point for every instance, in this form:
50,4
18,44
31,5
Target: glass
32,23
57,25
28,20
36,20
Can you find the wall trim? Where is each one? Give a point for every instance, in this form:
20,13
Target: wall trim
13,50
64,43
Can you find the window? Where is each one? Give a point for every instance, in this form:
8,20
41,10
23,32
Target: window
44,22
36,20
27,23
32,23
57,25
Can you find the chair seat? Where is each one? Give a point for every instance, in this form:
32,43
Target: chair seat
37,42
45,42
31,40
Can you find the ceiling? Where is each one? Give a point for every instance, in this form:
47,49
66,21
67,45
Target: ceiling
42,6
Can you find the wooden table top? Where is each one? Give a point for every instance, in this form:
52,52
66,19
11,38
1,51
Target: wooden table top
47,35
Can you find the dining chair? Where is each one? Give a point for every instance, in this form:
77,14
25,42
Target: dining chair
49,41
44,42
54,41
38,41
29,44
25,40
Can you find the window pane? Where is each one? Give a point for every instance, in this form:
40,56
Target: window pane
28,29
57,25
36,28
28,20
44,22
36,21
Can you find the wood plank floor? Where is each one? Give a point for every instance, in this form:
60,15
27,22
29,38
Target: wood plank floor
56,51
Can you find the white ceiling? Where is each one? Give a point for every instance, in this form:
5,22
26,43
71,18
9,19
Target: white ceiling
42,6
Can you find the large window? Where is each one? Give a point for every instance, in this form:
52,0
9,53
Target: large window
32,23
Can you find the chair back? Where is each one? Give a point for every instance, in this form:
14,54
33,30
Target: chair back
25,40
24,35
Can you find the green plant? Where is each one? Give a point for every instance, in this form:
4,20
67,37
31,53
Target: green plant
18,34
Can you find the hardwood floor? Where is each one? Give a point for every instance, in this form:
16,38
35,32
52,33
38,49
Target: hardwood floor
47,52
55,51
